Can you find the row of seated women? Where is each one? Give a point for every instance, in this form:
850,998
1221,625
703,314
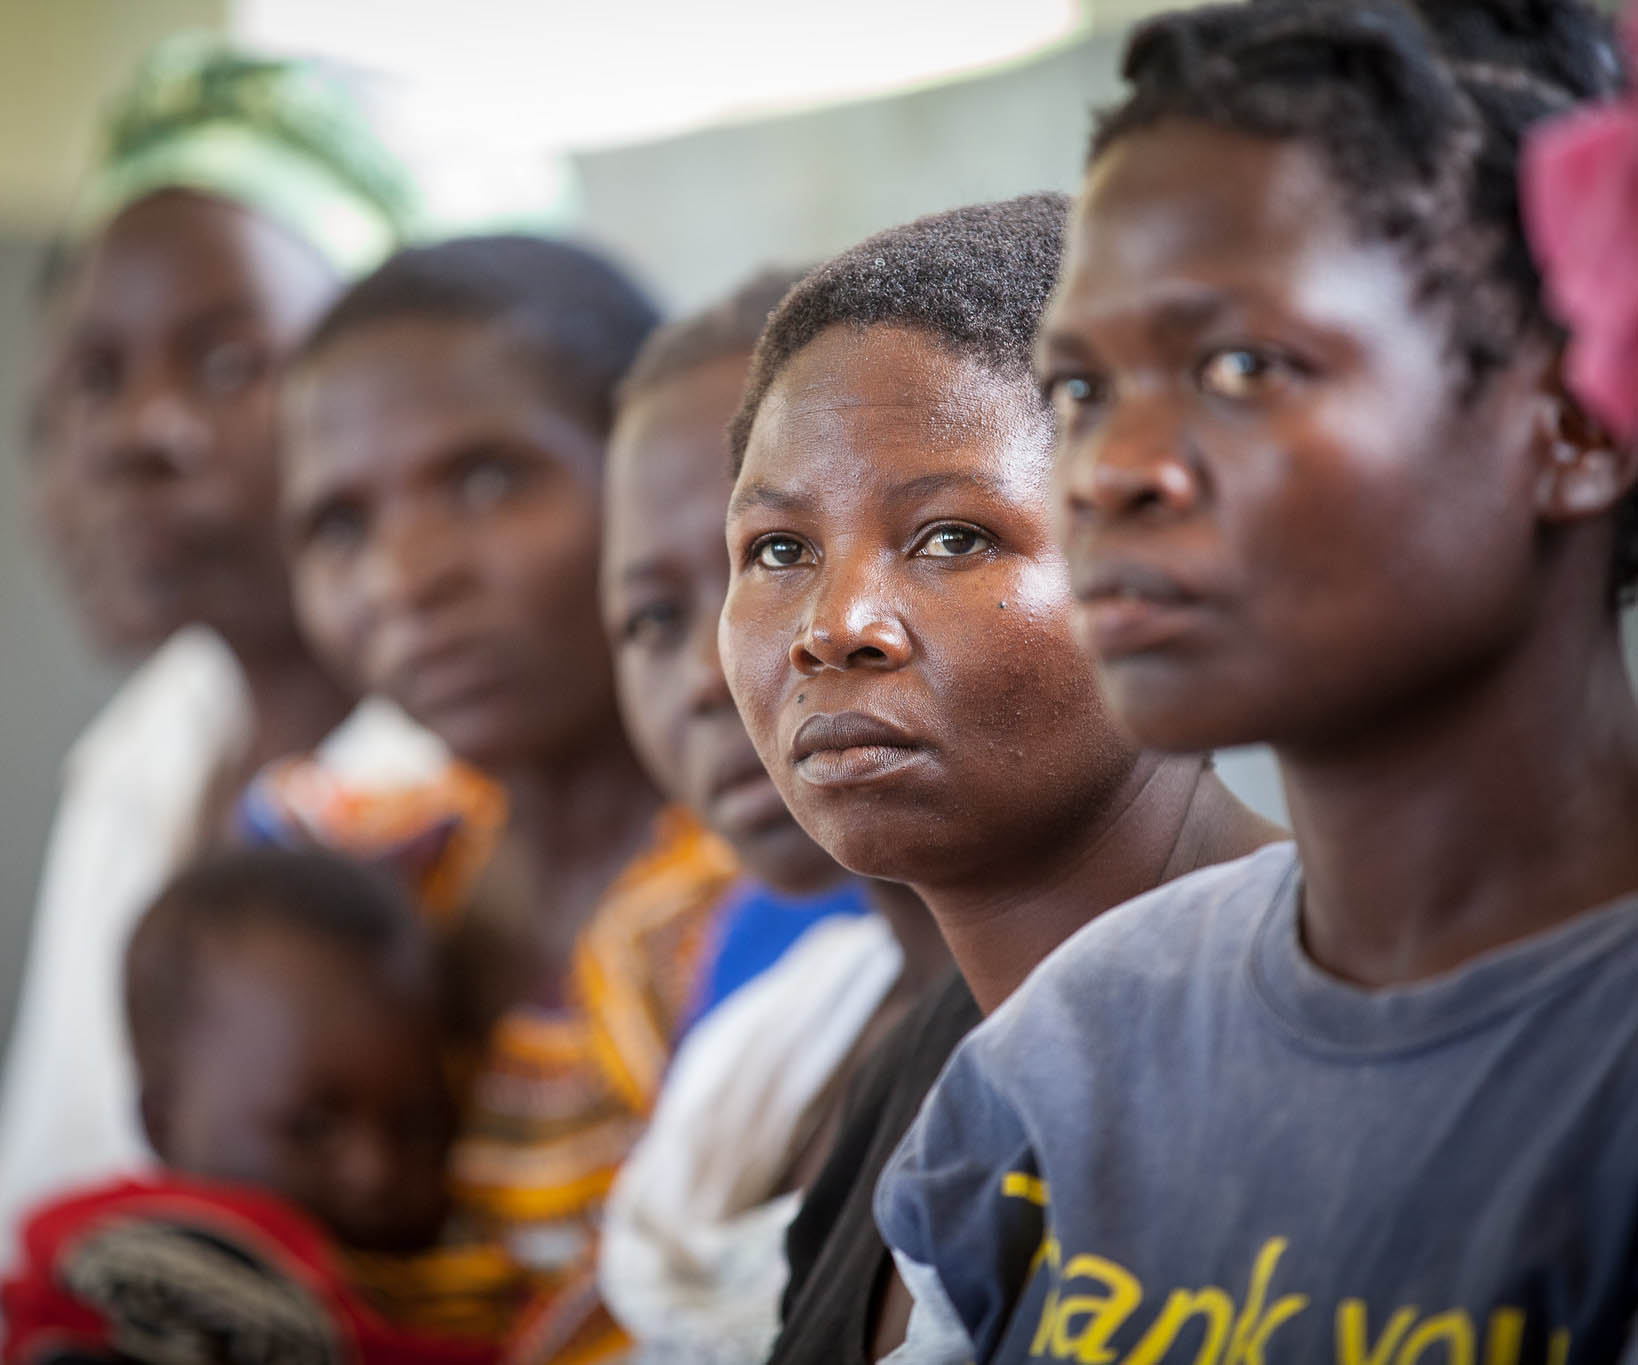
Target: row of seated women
773,902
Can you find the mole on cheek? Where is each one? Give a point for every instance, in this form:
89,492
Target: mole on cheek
801,697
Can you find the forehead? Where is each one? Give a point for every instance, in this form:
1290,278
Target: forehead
176,254
397,393
668,457
1197,187
858,407
266,986
1194,211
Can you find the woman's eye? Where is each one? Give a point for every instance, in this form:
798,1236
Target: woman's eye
310,1127
486,483
339,526
652,624
779,552
95,375
1070,393
230,367
425,1126
954,542
1240,374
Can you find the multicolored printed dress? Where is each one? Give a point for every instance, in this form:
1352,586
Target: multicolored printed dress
561,1095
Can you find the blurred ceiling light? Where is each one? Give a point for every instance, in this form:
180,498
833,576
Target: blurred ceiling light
486,95
582,74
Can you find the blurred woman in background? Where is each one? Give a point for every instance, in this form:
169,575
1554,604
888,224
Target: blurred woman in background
443,472
232,198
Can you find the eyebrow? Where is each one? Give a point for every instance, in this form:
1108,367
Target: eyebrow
911,490
1191,312
764,495
213,317
1179,316
217,315
644,570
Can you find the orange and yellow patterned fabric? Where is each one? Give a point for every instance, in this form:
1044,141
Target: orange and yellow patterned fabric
565,1094
438,833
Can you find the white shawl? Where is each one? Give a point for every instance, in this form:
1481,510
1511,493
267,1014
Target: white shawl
693,1249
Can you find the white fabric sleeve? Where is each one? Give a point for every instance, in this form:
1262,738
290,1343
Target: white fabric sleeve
128,816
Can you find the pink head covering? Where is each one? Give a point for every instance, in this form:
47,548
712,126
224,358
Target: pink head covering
1580,199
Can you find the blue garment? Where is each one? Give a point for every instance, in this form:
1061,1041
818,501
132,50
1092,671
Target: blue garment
755,925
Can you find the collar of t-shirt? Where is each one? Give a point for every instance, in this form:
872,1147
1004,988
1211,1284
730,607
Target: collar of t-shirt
1324,1014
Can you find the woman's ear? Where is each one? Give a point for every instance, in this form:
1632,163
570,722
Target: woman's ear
154,1107
1583,470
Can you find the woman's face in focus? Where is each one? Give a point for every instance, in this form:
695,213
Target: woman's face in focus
898,627
665,573
442,512
1283,519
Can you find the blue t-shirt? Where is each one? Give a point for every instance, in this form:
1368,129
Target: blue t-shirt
754,926
1181,1141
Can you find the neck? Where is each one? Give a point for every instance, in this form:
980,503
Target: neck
1504,808
293,703
925,952
579,820
1169,816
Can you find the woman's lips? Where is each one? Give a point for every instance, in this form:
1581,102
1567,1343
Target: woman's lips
447,678
746,799
1130,609
850,749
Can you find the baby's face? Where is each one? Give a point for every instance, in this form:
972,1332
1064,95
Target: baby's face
314,1075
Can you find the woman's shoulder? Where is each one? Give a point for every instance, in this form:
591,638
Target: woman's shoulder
1184,936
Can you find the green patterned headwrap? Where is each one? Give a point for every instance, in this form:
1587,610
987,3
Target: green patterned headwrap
276,136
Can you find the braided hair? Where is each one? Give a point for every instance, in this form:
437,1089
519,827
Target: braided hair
1419,109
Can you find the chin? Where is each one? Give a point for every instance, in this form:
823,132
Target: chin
1172,719
782,856
488,737
486,749
887,849
129,630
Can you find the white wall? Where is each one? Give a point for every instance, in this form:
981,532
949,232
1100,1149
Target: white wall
696,213
48,681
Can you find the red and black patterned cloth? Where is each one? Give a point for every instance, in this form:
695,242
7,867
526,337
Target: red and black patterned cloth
173,1271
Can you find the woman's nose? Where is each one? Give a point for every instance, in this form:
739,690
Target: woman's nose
851,624
1137,461
150,431
412,562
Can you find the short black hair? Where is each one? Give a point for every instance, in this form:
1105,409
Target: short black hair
578,314
1419,109
728,327
311,892
976,278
